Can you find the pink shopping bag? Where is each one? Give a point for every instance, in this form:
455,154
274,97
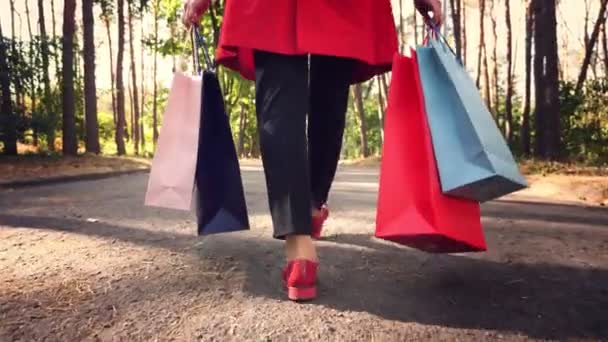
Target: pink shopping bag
171,182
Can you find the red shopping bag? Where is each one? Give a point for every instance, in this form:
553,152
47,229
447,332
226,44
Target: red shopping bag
411,207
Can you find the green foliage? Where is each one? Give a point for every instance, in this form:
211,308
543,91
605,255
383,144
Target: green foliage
352,136
585,120
584,115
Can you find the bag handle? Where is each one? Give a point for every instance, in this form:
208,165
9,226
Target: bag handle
433,32
198,42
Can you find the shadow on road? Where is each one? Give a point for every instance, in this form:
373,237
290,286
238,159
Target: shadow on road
540,300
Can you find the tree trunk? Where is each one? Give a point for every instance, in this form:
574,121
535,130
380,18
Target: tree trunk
525,125
131,104
464,31
495,67
384,85
19,97
54,22
142,136
591,45
106,21
90,89
482,9
8,129
546,80
70,143
358,95
135,126
586,38
401,28
509,95
456,20
120,87
51,116
33,75
242,126
415,26
586,26
486,74
605,48
155,72
381,108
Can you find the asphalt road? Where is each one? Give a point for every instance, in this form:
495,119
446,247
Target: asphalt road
86,260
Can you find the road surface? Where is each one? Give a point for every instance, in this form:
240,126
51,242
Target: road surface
87,261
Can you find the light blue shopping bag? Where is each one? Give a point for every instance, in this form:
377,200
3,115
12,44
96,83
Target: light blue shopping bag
473,158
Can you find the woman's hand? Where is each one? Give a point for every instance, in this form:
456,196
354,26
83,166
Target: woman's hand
426,6
194,10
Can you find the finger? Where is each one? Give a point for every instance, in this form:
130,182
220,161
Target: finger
431,21
186,15
437,19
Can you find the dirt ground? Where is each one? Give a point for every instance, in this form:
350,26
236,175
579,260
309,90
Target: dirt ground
87,261
33,167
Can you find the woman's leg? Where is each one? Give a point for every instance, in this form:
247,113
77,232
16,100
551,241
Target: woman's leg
329,84
282,105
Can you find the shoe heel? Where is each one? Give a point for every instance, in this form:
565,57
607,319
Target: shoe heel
299,294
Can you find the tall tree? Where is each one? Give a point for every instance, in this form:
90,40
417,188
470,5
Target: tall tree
591,45
155,73
358,96
586,25
381,108
8,121
525,125
120,87
142,136
242,127
482,43
605,48
136,113
106,17
546,79
401,27
486,74
54,26
456,20
90,89
416,33
32,53
587,39
15,57
70,143
509,95
464,31
131,108
495,63
51,116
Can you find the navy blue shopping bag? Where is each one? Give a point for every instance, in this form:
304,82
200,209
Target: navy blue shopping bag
219,196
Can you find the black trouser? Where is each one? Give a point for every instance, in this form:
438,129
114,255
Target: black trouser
300,167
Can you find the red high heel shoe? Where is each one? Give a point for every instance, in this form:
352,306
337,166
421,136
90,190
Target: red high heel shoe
300,278
318,221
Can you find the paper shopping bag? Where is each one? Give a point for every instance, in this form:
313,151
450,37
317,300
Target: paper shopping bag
473,158
220,198
171,181
412,210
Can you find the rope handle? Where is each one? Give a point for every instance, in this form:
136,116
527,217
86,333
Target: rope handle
198,43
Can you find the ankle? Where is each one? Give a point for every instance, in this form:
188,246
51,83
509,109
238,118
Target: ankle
318,211
300,247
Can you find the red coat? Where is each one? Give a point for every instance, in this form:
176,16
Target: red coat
360,29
